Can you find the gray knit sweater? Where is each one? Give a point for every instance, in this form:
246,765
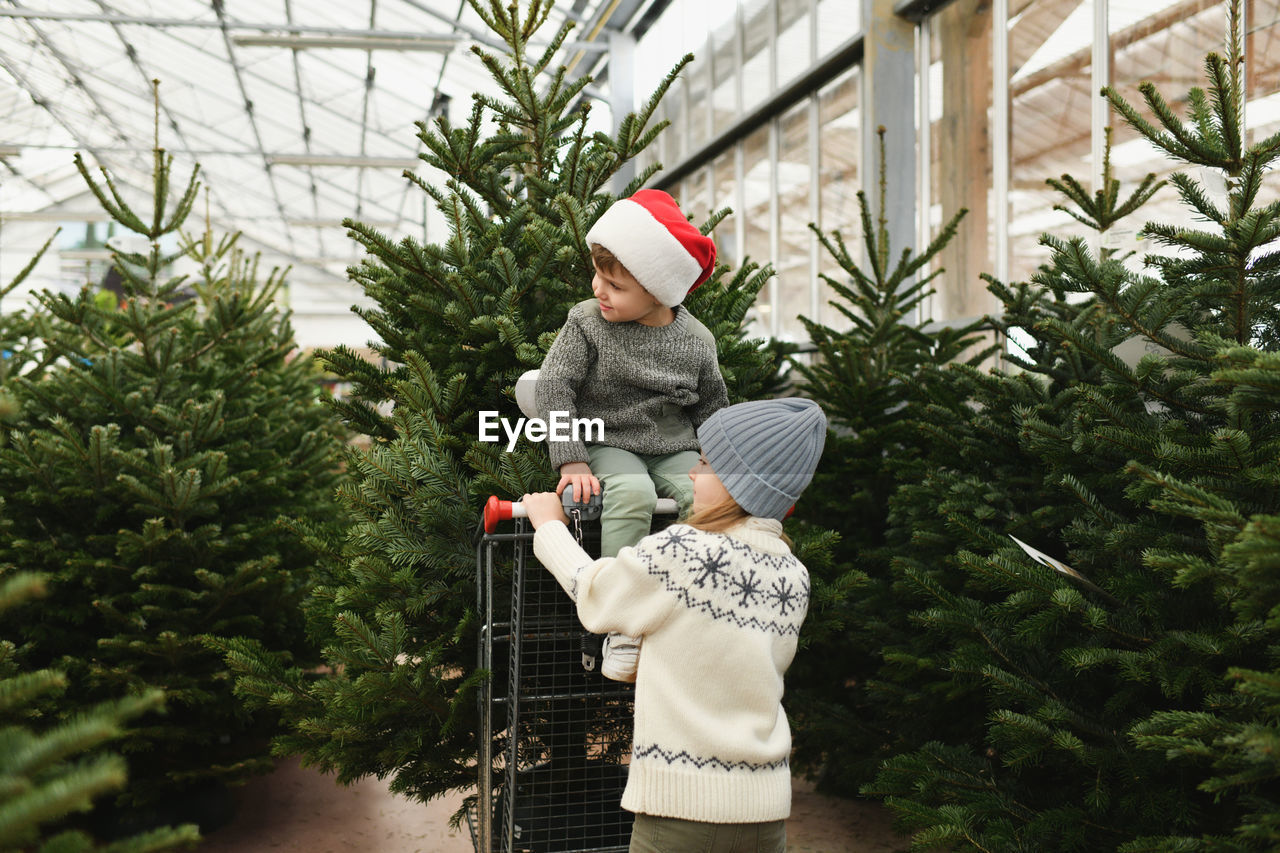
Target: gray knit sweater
653,386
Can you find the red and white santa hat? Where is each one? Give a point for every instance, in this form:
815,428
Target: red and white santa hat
649,236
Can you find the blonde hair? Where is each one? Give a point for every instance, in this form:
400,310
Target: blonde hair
720,517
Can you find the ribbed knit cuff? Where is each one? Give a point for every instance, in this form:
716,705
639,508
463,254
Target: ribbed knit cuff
555,548
564,452
705,796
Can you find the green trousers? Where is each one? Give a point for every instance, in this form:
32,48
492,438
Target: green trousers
672,835
632,483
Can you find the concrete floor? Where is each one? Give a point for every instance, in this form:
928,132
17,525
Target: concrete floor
301,811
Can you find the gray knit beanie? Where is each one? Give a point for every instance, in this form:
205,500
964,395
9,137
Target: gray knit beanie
765,451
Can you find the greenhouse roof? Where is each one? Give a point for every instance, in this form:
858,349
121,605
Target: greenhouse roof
299,112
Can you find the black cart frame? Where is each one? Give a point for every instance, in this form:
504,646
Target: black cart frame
554,734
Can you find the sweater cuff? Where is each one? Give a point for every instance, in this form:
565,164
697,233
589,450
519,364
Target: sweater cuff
564,452
555,548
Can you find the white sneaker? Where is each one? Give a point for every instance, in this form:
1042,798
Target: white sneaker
620,657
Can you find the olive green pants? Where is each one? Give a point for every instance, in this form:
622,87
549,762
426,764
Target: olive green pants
632,483
671,835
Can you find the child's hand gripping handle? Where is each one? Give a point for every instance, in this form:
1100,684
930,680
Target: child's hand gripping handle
496,509
586,512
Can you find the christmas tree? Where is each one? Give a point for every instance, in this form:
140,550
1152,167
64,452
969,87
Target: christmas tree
969,478
1124,641
149,473
47,773
459,321
20,336
846,718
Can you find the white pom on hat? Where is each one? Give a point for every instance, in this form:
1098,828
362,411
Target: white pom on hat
649,236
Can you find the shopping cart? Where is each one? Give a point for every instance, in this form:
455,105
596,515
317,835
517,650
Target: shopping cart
555,735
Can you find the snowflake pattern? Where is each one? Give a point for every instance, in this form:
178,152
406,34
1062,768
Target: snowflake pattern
746,587
679,541
783,595
728,580
711,568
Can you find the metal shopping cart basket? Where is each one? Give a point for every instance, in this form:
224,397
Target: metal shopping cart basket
555,734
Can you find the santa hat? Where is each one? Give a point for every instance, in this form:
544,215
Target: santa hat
649,236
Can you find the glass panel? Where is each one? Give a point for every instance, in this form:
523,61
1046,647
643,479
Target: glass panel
757,185
840,138
725,99
673,147
698,73
658,50
1165,43
960,162
1262,49
794,55
795,278
694,200
838,21
757,65
726,189
653,153
1050,114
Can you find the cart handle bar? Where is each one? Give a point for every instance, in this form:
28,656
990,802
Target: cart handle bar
496,510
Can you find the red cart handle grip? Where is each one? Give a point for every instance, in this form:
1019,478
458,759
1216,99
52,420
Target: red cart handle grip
496,510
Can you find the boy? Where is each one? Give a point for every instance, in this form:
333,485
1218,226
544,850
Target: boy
637,359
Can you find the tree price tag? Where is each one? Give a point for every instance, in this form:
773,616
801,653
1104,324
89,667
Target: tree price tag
1061,567
1117,238
1133,349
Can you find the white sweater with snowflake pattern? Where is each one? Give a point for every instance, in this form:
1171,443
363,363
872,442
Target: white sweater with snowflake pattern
719,614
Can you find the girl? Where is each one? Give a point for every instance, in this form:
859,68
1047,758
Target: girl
718,601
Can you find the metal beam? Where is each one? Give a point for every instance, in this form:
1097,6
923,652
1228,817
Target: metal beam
436,44
349,161
282,159
838,61
439,106
338,223
924,157
277,35
274,82
220,11
1100,71
100,150
633,17
55,216
222,23
1077,61
79,82
456,23
622,58
916,10
146,79
1000,124
72,128
302,117
369,73
887,91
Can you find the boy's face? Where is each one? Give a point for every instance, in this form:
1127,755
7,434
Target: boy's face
623,299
